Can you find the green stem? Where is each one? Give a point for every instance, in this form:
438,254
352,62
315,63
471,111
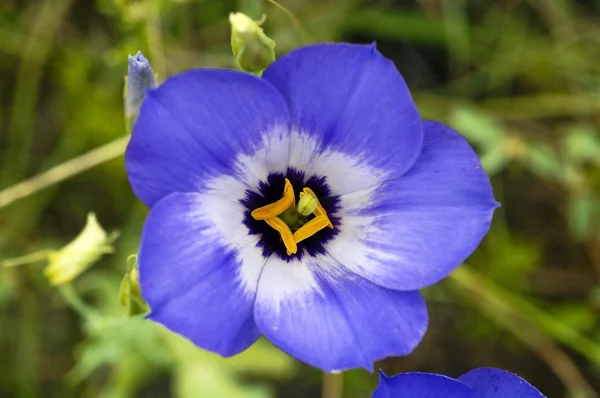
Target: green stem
304,35
64,170
155,38
26,259
333,385
75,302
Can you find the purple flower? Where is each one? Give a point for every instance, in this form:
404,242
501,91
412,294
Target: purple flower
478,383
223,157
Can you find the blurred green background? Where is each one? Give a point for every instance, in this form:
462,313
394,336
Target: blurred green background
519,78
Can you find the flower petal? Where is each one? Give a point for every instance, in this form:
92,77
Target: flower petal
497,383
411,232
348,100
197,124
200,276
333,319
421,385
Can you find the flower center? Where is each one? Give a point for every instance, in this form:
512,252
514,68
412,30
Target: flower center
291,221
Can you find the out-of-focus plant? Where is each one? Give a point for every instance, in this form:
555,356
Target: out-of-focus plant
76,257
67,263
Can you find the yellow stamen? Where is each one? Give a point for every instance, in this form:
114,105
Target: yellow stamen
285,232
311,228
319,211
270,213
274,209
289,190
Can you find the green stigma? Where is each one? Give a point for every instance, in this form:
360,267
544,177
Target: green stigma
307,204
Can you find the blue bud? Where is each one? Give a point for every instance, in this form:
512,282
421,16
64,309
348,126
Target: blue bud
140,77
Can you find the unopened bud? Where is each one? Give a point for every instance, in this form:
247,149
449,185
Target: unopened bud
140,78
254,51
80,254
130,294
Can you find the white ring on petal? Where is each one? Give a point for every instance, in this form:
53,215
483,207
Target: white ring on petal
228,230
345,173
277,152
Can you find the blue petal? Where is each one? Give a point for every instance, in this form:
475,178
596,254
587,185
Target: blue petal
352,100
332,319
413,231
497,383
195,283
195,126
421,385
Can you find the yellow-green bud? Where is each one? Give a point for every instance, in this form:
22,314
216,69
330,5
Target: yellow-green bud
80,254
130,294
253,50
307,204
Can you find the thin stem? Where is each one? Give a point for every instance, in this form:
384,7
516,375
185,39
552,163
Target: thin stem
26,259
63,171
304,36
333,385
155,38
75,302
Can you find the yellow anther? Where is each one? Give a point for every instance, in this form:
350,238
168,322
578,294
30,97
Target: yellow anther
274,209
309,204
319,211
288,191
311,228
285,232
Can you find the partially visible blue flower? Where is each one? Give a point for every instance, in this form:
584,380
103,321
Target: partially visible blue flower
224,159
478,383
140,77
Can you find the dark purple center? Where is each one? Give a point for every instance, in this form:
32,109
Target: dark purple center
270,191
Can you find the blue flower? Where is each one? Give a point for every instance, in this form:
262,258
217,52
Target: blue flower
478,383
222,157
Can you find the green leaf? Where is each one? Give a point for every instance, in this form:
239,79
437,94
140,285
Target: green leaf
261,358
543,161
198,379
477,126
582,211
494,160
583,144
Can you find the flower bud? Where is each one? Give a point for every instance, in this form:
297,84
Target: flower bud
140,78
253,50
80,254
130,294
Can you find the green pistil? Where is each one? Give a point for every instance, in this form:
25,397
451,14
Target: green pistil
293,219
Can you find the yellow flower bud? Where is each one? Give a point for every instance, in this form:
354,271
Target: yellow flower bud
253,50
80,254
